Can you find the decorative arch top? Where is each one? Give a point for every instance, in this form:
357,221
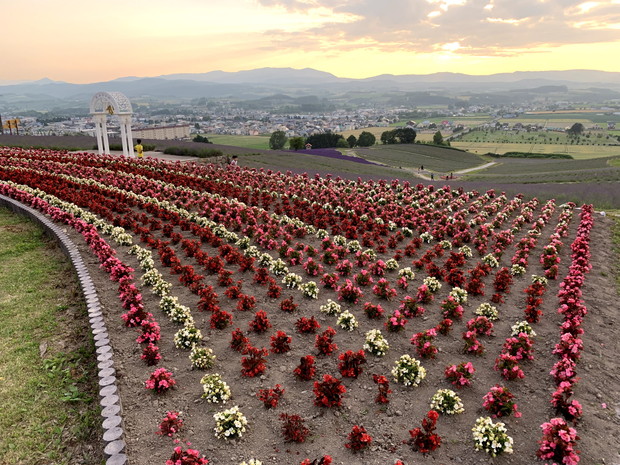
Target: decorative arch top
113,103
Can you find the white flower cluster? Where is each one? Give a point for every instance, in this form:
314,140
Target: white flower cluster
187,337
522,327
292,280
375,343
120,236
230,423
215,389
354,246
539,280
432,283
491,437
517,270
445,245
202,358
490,260
264,260
252,462
310,289
446,401
278,267
391,264
458,294
407,273
426,237
408,371
346,320
331,308
488,310
466,251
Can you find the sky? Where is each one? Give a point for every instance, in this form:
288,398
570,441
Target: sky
91,41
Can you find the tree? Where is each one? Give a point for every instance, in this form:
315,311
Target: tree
352,140
278,140
407,135
342,144
576,129
366,139
324,140
296,143
202,139
438,138
388,137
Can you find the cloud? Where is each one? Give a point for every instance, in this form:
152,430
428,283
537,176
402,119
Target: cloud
479,27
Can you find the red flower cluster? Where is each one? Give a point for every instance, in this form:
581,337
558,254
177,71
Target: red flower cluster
359,439
424,439
293,428
328,393
350,365
270,397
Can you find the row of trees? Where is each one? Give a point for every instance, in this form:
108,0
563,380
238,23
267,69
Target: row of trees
278,141
399,136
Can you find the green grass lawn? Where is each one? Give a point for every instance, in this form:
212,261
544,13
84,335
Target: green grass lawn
48,401
249,142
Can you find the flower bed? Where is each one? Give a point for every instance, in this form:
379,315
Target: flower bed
228,264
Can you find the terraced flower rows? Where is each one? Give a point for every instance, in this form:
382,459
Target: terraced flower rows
325,316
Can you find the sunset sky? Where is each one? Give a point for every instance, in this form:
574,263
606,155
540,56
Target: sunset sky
86,41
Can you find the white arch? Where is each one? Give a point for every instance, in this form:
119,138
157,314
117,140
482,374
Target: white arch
112,103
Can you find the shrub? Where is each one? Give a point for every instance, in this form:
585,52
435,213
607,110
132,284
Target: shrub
328,393
424,439
202,358
280,343
307,325
215,389
499,402
408,371
186,457
171,424
306,369
254,363
270,397
460,375
350,365
160,381
384,389
293,428
447,402
491,437
324,341
359,439
558,443
230,424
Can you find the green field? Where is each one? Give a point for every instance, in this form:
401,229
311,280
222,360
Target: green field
576,151
249,142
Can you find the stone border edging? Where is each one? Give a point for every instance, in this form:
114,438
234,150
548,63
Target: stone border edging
109,400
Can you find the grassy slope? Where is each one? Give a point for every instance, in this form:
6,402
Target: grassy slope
45,413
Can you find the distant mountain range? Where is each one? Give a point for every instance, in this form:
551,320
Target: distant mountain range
265,82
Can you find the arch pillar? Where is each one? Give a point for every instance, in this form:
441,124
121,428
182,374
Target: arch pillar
112,103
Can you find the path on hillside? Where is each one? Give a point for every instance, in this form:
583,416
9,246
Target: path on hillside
481,167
